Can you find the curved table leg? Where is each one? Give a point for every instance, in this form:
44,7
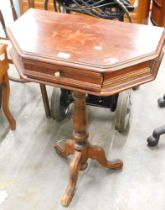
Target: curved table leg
97,153
5,103
67,149
74,169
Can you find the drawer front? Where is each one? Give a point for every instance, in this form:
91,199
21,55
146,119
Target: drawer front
127,75
132,76
63,75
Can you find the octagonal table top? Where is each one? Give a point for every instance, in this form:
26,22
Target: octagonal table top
94,55
84,40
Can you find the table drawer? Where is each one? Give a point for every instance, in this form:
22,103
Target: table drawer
63,74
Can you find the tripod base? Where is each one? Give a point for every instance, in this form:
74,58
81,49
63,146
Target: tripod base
80,148
79,162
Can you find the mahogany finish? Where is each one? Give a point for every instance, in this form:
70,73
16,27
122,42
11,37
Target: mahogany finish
86,55
142,11
81,149
158,13
58,57
4,86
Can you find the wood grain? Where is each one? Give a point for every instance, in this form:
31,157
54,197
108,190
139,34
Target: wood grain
158,13
97,56
5,88
85,55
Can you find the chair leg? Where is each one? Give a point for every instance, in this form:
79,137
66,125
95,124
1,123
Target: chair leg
5,103
0,96
45,100
154,139
161,101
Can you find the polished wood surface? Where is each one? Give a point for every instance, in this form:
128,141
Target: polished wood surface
158,13
110,56
141,11
4,86
86,55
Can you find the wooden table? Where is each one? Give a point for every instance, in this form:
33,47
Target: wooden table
4,86
88,56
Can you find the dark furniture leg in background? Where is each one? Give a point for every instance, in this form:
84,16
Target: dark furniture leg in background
154,139
161,101
45,100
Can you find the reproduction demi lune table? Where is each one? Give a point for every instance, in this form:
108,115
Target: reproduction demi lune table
87,56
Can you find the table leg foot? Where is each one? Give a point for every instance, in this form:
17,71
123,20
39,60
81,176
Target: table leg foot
65,150
98,154
5,103
74,169
83,166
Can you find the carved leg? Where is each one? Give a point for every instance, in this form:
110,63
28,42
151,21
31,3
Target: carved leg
45,100
81,148
97,153
74,168
67,149
5,103
0,95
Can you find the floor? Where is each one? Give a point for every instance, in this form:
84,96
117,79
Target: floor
33,176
